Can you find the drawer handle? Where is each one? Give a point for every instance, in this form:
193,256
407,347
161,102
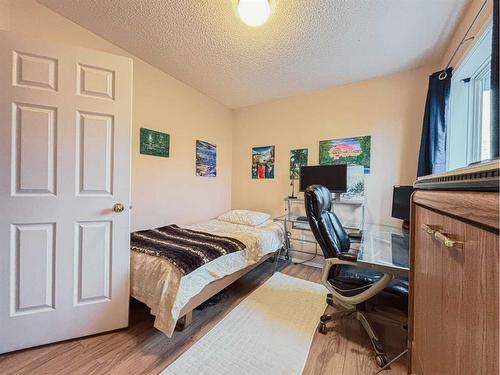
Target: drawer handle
430,229
447,241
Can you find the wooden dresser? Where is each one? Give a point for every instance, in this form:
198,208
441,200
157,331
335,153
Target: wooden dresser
454,283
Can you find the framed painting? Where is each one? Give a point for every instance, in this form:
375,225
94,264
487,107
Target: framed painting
154,143
206,159
263,162
350,151
298,158
355,183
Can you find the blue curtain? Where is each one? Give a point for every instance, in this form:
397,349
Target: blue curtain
432,156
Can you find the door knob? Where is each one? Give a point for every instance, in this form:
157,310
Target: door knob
118,207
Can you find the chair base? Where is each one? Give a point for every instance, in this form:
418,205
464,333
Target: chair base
353,313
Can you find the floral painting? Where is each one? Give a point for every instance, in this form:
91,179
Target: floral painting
298,158
350,151
263,162
206,158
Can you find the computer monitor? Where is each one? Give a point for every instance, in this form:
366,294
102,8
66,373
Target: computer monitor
401,202
333,177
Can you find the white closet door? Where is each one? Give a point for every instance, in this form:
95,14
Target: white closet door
65,120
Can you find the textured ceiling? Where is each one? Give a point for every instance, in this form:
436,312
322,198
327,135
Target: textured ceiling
306,45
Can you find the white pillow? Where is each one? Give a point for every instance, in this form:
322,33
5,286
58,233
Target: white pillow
244,217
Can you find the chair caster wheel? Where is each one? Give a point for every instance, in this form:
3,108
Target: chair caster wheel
325,318
381,360
322,328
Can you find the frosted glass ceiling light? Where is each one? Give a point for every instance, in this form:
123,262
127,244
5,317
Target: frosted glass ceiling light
254,12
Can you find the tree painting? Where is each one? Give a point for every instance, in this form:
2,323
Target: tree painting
298,158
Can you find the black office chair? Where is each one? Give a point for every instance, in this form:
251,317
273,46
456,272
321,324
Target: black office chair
357,290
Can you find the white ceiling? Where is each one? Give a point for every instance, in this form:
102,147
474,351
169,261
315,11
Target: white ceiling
306,45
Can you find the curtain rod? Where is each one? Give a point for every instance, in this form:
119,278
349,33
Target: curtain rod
443,74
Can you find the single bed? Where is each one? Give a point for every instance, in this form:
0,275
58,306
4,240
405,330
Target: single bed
171,295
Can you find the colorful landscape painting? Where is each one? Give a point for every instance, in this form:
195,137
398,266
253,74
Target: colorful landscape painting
350,151
206,159
263,162
298,158
154,143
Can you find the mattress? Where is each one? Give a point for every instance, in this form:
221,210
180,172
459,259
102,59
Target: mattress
155,282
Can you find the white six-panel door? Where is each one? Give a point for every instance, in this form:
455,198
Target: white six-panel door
65,122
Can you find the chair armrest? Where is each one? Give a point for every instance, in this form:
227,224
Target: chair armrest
363,296
354,237
350,257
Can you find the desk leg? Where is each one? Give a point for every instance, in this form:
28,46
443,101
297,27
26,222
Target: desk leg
284,249
287,241
185,321
277,256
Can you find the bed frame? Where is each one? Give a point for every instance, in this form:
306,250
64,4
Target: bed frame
186,314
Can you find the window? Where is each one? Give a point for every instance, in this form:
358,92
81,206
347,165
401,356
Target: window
468,133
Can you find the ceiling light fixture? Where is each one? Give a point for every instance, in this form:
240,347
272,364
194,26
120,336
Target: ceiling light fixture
254,12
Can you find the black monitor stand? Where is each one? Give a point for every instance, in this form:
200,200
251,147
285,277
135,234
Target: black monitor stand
292,184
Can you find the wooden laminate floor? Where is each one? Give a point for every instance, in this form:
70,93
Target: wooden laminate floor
141,349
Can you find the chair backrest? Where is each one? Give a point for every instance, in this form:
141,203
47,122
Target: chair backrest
325,225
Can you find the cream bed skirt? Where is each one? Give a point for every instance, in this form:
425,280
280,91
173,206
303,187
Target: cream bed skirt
162,287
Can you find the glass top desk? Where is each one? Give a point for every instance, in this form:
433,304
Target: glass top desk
381,248
385,249
300,224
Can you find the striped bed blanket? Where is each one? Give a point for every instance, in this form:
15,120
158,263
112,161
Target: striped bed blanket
185,249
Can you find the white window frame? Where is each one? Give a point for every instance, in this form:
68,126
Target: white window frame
475,130
463,137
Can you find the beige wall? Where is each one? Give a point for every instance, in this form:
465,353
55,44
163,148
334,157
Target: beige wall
484,19
163,190
390,109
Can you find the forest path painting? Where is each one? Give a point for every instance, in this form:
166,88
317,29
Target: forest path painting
298,159
154,143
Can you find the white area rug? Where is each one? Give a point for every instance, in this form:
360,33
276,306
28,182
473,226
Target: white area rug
269,332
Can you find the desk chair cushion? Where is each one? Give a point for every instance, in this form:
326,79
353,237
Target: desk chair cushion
349,277
356,277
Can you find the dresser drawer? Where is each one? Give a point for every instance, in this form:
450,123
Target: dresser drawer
453,295
425,291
